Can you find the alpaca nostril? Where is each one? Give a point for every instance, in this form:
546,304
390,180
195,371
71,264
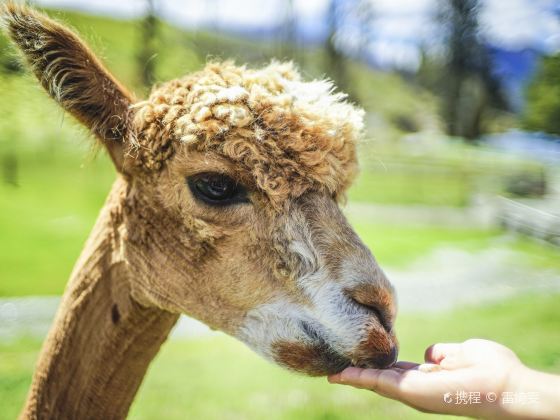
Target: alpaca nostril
377,298
378,359
386,360
376,311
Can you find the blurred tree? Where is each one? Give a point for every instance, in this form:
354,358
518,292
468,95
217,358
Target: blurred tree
289,43
8,59
336,61
335,65
542,110
467,84
147,50
10,168
366,17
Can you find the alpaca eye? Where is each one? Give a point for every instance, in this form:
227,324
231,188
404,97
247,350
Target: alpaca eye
217,189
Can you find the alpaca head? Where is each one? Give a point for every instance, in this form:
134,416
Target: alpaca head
231,210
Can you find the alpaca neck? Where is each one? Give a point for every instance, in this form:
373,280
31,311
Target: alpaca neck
102,340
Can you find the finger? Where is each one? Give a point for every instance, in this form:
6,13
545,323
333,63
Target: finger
429,367
334,379
369,378
406,365
437,352
352,376
395,383
423,367
419,389
423,391
383,381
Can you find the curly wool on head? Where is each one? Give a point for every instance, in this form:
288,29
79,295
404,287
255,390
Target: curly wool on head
289,134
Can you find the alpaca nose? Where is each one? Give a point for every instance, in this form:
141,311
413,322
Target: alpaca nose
377,299
384,360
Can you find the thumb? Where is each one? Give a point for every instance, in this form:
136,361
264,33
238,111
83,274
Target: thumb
448,355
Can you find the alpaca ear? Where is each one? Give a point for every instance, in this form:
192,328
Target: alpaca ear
73,76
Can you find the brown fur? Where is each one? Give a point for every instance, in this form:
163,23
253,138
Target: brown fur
318,360
157,251
377,299
93,362
378,349
286,147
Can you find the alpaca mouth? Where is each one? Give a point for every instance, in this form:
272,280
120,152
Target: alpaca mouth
312,359
334,361
331,360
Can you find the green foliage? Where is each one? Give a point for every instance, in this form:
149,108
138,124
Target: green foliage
218,377
8,61
542,111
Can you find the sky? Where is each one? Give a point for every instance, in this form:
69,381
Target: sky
401,26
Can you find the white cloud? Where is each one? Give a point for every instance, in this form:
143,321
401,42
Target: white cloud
520,23
512,24
418,7
189,13
396,55
310,8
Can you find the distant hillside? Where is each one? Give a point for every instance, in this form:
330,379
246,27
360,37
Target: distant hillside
394,105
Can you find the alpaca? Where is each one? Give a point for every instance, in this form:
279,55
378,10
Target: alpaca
225,208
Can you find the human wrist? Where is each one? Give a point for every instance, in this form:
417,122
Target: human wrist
498,398
530,393
516,380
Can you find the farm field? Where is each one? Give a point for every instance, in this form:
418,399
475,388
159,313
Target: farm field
217,377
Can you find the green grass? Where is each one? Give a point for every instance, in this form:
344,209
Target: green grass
45,221
415,187
217,377
443,172
542,256
399,245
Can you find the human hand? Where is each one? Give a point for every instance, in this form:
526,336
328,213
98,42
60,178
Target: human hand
476,367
